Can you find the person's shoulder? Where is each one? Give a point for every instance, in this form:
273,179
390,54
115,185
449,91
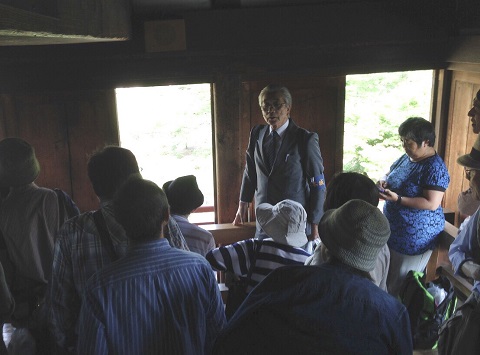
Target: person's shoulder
78,225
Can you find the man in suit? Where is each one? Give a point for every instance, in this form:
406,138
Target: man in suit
283,161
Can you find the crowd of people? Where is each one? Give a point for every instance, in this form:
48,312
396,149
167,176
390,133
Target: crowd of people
136,277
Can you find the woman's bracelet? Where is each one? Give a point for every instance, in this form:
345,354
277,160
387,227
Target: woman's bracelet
399,200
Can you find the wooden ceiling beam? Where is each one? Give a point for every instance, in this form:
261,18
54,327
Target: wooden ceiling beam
66,21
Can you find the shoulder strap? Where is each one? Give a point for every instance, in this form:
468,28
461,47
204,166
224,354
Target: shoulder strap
66,204
104,234
256,248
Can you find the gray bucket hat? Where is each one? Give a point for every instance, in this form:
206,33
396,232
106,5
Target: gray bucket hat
355,233
285,222
18,163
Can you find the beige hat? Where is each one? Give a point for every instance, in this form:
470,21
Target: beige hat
355,233
471,160
18,163
285,222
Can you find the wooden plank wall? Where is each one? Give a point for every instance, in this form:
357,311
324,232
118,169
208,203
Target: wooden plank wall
64,128
459,137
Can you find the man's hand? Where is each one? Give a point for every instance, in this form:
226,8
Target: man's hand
314,234
471,269
241,213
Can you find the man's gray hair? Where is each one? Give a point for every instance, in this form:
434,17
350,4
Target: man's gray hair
276,88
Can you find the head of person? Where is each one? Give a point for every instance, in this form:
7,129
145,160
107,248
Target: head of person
284,222
141,208
471,164
354,234
275,102
108,169
346,186
417,136
18,163
474,113
183,195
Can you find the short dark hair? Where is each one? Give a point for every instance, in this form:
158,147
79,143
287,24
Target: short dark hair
347,186
109,167
417,129
141,208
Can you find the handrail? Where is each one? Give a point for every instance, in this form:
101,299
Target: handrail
443,266
227,233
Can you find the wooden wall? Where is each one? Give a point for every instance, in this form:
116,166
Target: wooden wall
64,127
459,138
61,97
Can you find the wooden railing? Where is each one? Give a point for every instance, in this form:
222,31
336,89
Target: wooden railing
439,263
227,233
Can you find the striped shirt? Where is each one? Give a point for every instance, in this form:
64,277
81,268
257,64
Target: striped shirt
239,258
199,240
78,254
156,300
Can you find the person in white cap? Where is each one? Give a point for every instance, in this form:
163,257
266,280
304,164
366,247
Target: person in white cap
284,224
333,308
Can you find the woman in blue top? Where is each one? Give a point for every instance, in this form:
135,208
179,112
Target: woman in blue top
413,191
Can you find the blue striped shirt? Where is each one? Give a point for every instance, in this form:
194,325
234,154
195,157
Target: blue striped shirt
78,254
238,258
155,300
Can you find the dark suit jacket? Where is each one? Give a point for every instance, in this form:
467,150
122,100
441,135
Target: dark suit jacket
297,173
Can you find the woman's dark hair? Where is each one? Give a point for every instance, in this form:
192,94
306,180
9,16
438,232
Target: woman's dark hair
417,129
141,208
346,186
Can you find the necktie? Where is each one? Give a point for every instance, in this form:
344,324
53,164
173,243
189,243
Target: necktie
271,148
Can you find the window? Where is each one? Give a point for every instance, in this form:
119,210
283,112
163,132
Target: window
169,129
375,105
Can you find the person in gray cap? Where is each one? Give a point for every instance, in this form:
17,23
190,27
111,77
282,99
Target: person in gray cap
333,308
344,187
184,197
253,259
30,217
464,252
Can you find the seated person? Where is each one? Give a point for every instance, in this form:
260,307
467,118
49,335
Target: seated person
333,308
464,251
345,187
184,197
156,299
284,225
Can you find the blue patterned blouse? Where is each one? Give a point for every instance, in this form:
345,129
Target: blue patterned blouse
414,231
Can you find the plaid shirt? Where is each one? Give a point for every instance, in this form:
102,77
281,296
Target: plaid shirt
78,254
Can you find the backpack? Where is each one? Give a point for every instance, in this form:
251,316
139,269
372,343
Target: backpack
426,317
460,334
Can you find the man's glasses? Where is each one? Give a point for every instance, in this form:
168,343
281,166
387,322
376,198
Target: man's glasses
274,106
468,172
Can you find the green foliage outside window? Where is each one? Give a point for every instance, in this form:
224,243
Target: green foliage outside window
375,105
